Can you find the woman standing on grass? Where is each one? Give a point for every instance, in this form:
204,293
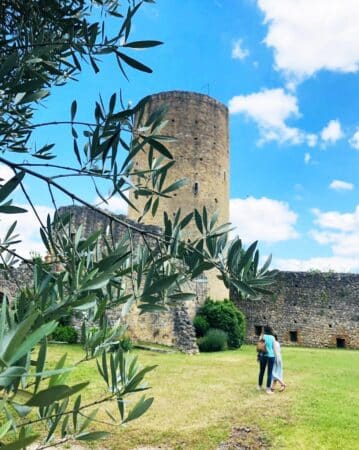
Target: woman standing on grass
267,359
277,374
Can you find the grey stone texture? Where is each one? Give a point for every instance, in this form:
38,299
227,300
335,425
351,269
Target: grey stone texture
201,151
312,309
173,327
11,282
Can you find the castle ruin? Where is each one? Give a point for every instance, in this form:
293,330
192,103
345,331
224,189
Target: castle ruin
309,309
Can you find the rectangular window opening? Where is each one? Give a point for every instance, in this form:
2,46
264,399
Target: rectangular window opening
340,343
258,330
293,336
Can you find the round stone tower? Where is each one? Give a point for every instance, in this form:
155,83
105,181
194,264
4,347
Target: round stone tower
201,151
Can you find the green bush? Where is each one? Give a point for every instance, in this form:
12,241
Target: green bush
126,344
65,334
214,341
201,325
227,317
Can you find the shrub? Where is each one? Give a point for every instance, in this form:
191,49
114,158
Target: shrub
65,334
214,341
126,344
227,317
201,325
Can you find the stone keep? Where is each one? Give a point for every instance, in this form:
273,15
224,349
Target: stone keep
201,151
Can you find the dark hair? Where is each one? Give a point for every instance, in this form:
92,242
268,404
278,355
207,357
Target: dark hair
267,330
275,337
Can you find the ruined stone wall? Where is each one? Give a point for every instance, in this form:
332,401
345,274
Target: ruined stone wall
173,327
16,278
199,124
310,309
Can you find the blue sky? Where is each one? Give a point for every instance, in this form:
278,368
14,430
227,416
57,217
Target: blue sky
289,72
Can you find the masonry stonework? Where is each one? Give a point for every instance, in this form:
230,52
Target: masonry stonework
311,309
201,151
172,327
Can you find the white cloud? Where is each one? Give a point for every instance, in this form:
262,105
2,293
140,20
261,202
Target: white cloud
263,219
312,139
27,228
5,173
338,185
354,140
238,51
332,132
338,264
269,108
115,204
339,230
336,220
307,158
308,36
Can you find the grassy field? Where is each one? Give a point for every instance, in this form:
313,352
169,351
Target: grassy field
198,399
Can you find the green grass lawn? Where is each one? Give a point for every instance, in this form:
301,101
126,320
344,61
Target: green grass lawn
198,399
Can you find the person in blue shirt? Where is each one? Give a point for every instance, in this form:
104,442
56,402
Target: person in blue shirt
266,360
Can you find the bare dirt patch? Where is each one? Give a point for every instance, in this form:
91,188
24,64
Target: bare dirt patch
245,438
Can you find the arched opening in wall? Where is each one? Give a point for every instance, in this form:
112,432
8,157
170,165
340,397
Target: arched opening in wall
341,342
258,330
293,336
196,188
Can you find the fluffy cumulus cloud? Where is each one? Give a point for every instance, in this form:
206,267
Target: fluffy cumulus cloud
354,140
332,132
308,36
27,228
238,50
338,230
270,109
115,204
307,158
339,185
263,219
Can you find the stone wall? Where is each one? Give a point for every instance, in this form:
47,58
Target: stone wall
173,327
310,309
16,278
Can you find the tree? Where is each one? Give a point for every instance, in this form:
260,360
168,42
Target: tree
45,44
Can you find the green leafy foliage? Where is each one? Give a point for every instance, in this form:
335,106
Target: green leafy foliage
215,340
44,45
201,325
65,333
126,343
241,271
227,317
